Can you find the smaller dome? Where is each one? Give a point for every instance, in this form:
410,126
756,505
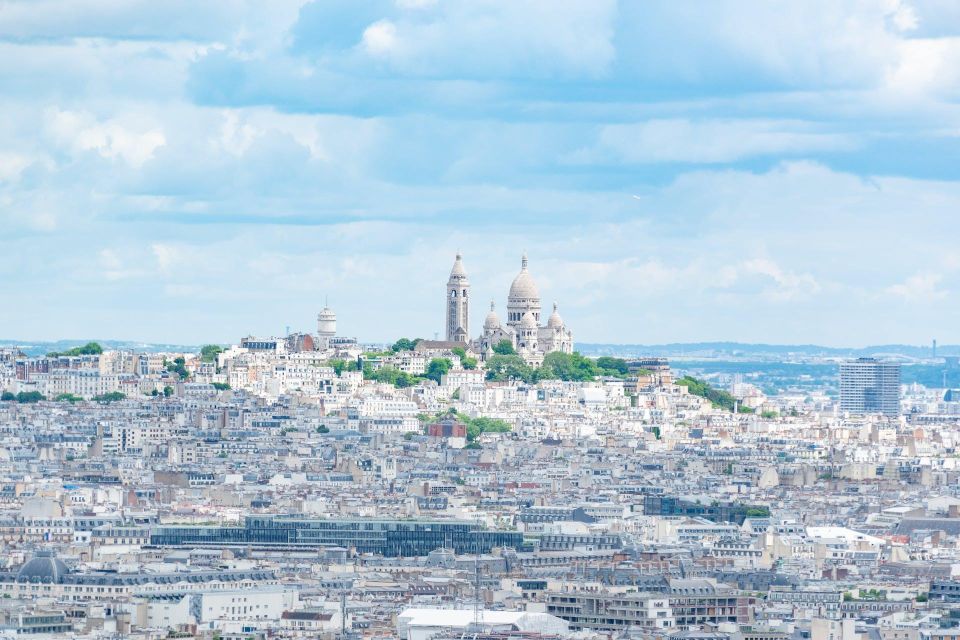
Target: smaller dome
527,321
492,321
43,567
555,321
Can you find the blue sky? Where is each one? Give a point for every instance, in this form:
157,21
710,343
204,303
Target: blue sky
773,171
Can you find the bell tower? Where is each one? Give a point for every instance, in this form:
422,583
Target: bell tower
458,303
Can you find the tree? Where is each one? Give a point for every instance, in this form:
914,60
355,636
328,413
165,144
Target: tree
612,366
717,398
167,391
89,349
6,396
220,386
508,367
178,366
107,398
478,426
389,375
209,352
405,344
568,366
323,429
68,397
338,365
30,397
438,368
465,361
504,348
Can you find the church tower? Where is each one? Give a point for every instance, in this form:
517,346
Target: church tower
458,303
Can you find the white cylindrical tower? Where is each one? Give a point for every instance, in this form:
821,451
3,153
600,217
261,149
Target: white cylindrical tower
326,326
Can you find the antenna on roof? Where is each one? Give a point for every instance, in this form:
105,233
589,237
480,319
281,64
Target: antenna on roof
476,592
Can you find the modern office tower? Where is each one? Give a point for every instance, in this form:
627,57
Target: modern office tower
868,385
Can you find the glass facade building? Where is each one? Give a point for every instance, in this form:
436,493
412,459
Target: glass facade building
384,537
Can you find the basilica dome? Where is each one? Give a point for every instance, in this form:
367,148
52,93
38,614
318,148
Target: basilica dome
523,287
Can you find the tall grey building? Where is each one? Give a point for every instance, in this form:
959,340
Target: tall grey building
868,385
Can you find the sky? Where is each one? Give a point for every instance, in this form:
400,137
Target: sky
677,170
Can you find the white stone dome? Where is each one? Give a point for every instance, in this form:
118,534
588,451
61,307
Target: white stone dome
523,287
528,321
555,321
492,321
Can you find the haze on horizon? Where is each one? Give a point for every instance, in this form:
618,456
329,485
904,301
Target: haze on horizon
184,173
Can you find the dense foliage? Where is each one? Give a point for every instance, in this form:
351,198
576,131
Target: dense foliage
24,397
475,426
220,386
556,366
389,375
465,361
504,348
209,352
178,366
405,344
478,426
106,398
437,368
612,366
89,349
68,397
717,397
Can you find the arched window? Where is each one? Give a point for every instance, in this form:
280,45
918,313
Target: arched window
453,293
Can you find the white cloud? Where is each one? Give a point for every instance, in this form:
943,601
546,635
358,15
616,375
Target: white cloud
538,38
167,256
712,141
12,165
380,39
787,285
236,136
925,65
416,4
919,287
111,138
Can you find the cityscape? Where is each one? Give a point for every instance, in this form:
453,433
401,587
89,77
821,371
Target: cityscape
479,320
